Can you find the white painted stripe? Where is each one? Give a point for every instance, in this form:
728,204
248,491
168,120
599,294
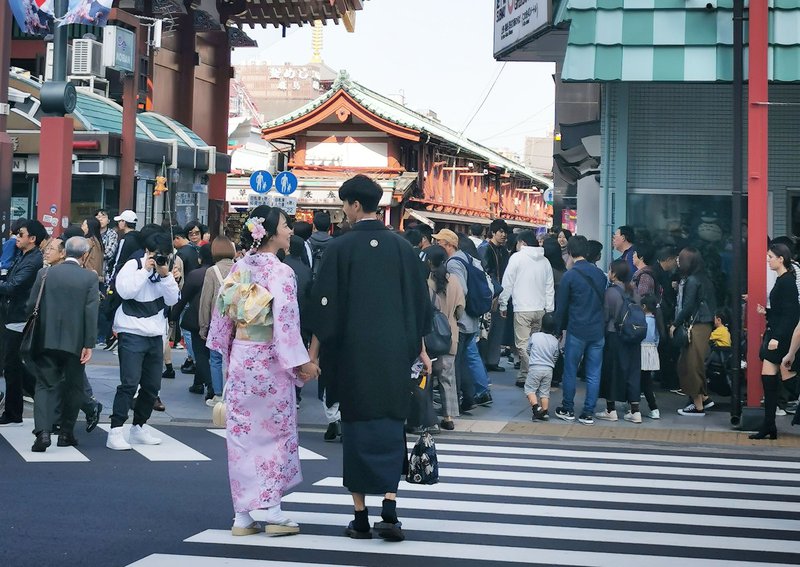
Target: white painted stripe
611,454
305,454
170,448
579,495
164,560
433,526
21,440
492,553
541,511
656,483
616,467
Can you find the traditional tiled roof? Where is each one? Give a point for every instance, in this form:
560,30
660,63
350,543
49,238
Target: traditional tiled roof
398,114
670,40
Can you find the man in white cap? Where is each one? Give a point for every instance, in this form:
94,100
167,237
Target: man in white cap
128,238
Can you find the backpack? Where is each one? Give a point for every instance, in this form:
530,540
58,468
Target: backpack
111,300
479,293
423,465
631,321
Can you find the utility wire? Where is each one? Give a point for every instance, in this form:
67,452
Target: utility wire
464,129
521,123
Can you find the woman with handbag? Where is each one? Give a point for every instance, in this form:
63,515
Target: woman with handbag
256,326
691,329
782,317
448,297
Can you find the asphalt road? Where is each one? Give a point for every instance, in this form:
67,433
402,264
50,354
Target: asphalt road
500,501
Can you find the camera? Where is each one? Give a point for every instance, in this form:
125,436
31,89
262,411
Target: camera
161,260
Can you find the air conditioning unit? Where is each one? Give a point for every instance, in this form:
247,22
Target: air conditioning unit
87,58
48,65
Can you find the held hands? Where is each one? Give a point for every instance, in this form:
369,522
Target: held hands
788,361
308,371
503,313
761,309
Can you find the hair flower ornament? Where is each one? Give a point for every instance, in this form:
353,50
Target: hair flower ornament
256,227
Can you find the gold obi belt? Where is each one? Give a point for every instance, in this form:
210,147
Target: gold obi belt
249,305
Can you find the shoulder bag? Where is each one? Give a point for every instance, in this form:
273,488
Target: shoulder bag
29,347
439,340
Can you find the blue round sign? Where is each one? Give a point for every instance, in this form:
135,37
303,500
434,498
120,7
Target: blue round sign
286,183
261,181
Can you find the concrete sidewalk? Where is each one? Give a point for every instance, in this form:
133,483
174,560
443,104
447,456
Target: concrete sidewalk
508,414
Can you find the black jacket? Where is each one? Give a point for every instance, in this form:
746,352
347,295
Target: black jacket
190,295
699,303
784,309
17,287
191,259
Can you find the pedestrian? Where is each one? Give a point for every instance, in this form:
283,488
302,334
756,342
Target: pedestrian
622,367
696,305
189,306
195,230
651,362
222,251
580,311
552,251
595,252
371,311
95,258
782,317
644,278
10,252
528,280
319,239
563,237
448,297
109,239
494,256
128,242
146,287
256,327
623,240
543,352
66,334
15,291
190,257
476,232
304,276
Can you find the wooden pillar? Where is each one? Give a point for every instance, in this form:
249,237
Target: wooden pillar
217,184
6,146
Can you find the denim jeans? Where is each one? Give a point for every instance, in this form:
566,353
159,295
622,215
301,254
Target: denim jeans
476,368
574,350
217,378
464,379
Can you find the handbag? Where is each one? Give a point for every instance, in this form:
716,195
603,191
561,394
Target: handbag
423,465
682,336
29,347
219,414
439,340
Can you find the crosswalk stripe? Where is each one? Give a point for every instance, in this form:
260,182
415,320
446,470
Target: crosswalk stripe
170,448
579,495
627,482
21,440
614,455
305,454
494,553
540,531
545,511
171,560
617,467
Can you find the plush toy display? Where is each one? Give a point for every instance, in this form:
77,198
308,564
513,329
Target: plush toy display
709,229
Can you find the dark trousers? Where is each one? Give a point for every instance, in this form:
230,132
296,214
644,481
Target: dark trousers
490,351
140,361
202,362
58,371
464,380
647,389
87,403
15,373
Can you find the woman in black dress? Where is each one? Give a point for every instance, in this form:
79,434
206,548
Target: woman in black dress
782,316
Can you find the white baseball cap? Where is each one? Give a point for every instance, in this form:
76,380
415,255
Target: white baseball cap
128,216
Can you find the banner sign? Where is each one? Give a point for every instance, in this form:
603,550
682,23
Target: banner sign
88,12
517,20
36,17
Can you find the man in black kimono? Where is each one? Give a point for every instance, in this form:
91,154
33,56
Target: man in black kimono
369,312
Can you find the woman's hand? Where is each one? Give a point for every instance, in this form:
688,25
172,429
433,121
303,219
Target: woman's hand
761,309
671,330
426,360
787,361
772,344
308,371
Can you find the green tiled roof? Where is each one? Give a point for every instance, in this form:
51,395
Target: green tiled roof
398,114
670,40
103,115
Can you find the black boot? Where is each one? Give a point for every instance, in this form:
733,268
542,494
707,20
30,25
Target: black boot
768,429
42,442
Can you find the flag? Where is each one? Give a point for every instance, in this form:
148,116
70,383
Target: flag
34,17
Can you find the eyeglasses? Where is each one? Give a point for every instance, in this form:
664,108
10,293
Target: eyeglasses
195,231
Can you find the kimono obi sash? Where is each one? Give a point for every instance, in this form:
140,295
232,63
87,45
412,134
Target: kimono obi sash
248,305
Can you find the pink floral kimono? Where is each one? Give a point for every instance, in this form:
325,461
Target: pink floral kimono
256,326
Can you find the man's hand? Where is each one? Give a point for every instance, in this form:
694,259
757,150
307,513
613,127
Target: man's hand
426,360
149,264
86,355
308,371
503,313
176,273
788,361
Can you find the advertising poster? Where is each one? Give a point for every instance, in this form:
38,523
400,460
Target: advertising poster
88,12
33,17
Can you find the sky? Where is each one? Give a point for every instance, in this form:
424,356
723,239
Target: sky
438,54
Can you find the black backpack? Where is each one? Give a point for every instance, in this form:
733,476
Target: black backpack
631,321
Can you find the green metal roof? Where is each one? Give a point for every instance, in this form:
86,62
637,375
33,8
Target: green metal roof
398,114
670,40
158,128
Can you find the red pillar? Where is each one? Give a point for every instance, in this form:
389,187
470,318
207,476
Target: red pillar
55,173
218,182
757,192
6,146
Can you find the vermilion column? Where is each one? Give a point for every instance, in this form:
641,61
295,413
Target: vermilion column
55,173
757,190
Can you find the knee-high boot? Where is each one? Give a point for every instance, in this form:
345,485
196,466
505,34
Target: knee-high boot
768,429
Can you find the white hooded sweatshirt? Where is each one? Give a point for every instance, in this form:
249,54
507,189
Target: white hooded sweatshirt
528,280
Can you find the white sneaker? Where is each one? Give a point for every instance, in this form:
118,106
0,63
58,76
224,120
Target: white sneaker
633,417
780,412
654,414
141,436
116,440
213,401
607,415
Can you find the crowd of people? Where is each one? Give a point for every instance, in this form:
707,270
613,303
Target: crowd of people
397,327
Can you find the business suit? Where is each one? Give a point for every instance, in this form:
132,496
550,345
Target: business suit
67,325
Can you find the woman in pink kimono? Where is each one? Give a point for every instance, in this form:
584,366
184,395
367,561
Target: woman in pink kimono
256,326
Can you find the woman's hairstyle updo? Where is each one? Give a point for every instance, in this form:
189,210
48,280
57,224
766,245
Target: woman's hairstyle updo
782,251
272,217
437,257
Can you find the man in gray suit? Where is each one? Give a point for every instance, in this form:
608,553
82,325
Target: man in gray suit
66,334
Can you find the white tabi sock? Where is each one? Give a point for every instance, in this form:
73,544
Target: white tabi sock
242,520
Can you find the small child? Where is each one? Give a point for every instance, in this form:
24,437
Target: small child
721,336
543,353
650,360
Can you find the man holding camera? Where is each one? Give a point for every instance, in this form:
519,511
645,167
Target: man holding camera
146,287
